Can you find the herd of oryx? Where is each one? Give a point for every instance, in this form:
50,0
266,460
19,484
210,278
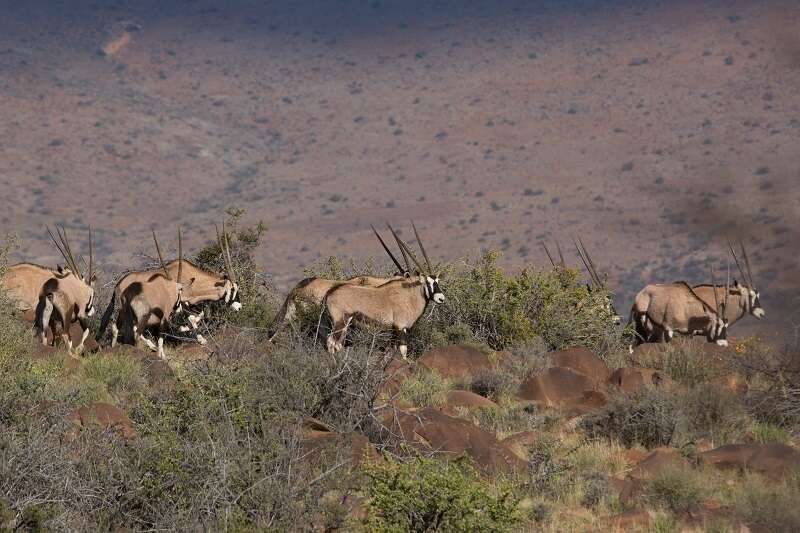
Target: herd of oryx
146,301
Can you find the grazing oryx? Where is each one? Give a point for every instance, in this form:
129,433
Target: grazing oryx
67,297
207,287
744,299
151,303
397,304
660,310
312,291
23,282
597,282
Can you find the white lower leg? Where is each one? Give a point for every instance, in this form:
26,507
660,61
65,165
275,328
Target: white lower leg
83,340
161,348
114,334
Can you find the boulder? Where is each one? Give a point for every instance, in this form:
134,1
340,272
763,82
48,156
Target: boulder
432,431
773,460
656,461
587,402
103,415
467,399
555,387
633,520
395,373
583,361
631,379
456,361
729,456
353,446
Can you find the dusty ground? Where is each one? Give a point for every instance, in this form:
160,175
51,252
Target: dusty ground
652,129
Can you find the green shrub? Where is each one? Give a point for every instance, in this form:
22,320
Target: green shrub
675,489
508,419
766,432
425,388
713,413
494,384
682,361
769,507
431,495
649,418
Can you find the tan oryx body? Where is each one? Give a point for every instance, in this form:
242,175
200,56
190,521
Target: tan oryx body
150,303
661,310
396,304
23,282
66,298
312,291
206,287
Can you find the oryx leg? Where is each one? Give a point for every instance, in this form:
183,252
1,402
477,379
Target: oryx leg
194,321
337,335
47,313
138,333
402,337
114,333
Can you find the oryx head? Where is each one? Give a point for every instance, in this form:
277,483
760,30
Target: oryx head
87,277
598,283
748,291
180,285
426,276
229,284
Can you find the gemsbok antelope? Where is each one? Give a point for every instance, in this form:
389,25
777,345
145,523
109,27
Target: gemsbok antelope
744,299
661,310
23,282
397,304
312,291
150,304
598,283
67,297
207,287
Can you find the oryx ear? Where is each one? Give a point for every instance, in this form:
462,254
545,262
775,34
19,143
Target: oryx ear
407,275
60,269
188,284
225,275
93,278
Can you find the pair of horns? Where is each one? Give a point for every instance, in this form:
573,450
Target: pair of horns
225,248
721,311
587,262
180,256
748,274
66,251
406,251
561,262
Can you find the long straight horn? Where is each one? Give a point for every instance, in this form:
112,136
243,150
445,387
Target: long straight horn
583,259
160,257
594,273
386,248
62,232
231,273
747,265
550,257
727,290
91,257
714,285
405,247
738,264
222,250
402,249
180,254
421,247
562,263
60,249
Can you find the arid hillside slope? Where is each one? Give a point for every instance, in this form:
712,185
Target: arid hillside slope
652,129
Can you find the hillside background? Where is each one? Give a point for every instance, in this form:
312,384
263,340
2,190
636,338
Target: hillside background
651,129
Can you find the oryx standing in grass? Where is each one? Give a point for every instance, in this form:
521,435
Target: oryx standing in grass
397,304
312,291
207,287
661,310
744,299
23,282
67,297
150,304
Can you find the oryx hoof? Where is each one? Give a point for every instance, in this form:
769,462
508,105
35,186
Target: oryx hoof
183,329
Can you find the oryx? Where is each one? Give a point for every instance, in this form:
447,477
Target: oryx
661,310
23,282
66,297
397,304
598,283
150,303
744,299
312,291
207,287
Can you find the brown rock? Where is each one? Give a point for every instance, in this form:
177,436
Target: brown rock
456,361
589,401
104,415
354,446
634,456
158,373
555,386
395,373
582,360
467,399
431,430
656,461
631,379
729,456
775,461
